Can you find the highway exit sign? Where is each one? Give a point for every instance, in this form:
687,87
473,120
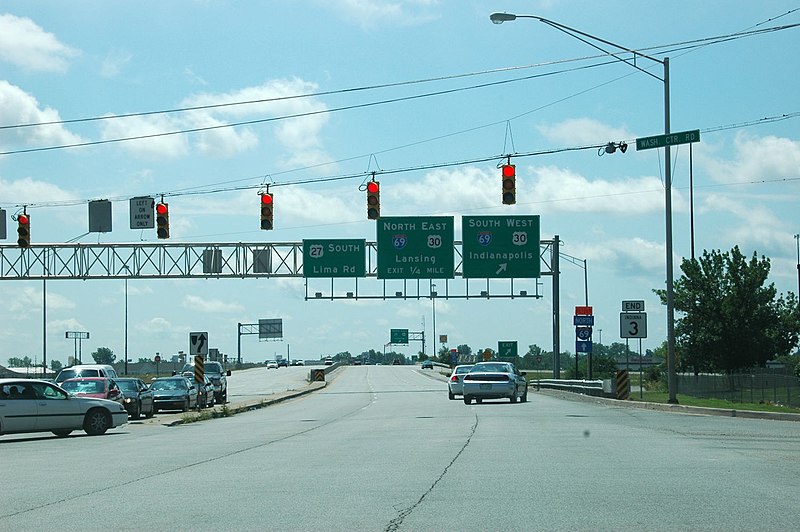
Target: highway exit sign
415,247
398,336
507,349
500,247
334,258
659,141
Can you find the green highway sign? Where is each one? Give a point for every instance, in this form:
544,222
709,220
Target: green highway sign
334,258
507,349
415,247
500,246
659,141
398,336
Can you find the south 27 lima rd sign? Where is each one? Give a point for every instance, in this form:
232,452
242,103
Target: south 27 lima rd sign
500,246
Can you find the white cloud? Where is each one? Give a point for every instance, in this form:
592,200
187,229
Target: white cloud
200,304
19,107
155,148
157,326
24,43
756,226
756,159
583,131
28,191
29,298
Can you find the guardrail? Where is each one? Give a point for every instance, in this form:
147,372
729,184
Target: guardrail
597,388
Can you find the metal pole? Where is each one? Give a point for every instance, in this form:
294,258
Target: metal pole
239,343
671,371
44,327
797,238
433,303
126,326
556,312
691,199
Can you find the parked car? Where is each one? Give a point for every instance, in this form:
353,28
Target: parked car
454,384
30,405
138,397
271,364
97,387
218,375
427,364
86,370
494,380
174,393
205,390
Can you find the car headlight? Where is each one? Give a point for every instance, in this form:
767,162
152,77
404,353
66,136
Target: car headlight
128,400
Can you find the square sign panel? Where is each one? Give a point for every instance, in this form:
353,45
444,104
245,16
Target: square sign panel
500,247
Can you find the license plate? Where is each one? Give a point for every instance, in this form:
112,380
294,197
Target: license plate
486,386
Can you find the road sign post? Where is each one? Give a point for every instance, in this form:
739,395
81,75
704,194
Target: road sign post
500,247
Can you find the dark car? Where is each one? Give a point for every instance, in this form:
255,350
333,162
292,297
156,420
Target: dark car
174,393
218,375
283,363
427,364
205,390
138,398
397,362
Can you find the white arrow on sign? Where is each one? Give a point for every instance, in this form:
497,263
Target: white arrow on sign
502,268
198,343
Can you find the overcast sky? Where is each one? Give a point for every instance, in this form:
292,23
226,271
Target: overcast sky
437,83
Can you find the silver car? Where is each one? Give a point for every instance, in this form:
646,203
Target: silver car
494,380
454,385
41,406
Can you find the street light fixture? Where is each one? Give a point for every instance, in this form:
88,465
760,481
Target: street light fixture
499,18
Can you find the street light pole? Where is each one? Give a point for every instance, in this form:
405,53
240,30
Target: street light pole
797,238
433,303
499,18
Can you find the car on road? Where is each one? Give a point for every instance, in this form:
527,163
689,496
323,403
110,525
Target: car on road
218,375
283,363
494,380
86,370
427,364
174,393
298,362
328,361
397,362
97,387
271,364
454,383
31,405
205,390
138,397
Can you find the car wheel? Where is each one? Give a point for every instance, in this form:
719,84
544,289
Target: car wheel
137,413
524,398
96,422
450,396
62,433
185,406
467,400
151,413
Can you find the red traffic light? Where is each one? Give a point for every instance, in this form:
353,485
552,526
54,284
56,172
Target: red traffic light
509,170
373,200
373,187
266,199
266,211
162,208
162,220
23,219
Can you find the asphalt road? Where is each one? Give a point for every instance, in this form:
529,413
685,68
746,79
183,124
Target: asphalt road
382,448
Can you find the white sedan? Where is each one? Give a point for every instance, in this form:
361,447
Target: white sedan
28,405
494,380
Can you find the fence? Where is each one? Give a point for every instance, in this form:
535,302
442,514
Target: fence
762,386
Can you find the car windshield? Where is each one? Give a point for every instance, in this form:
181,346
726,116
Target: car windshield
463,369
128,386
490,368
169,384
84,386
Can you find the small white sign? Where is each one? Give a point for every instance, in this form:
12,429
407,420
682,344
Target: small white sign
633,306
198,343
632,325
142,213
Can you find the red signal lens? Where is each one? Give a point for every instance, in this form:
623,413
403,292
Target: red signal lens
23,219
509,170
266,199
162,208
372,187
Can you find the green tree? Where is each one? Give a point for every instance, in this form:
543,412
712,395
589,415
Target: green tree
103,355
19,362
731,319
56,365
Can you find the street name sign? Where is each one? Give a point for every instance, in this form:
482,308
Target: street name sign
633,325
660,141
507,349
415,247
500,247
334,258
398,336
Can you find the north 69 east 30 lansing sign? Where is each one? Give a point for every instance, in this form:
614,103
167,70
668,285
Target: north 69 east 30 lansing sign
501,246
417,247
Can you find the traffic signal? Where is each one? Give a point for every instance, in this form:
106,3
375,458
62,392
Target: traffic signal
266,210
162,220
509,184
373,200
24,230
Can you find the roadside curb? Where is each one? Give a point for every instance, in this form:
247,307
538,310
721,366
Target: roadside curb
676,409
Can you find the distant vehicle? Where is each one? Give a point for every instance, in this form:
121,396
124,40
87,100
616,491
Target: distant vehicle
174,393
454,384
138,398
298,362
97,387
397,362
86,370
217,373
329,361
271,364
427,364
283,363
357,362
494,380
31,405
